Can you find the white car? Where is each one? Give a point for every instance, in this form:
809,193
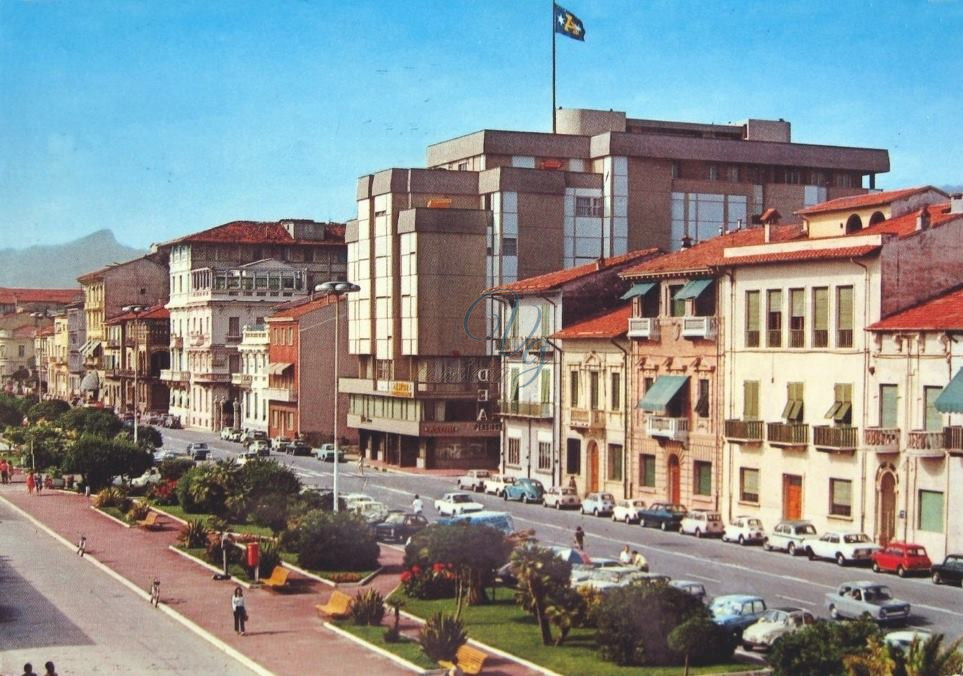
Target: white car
161,455
774,623
745,530
601,579
701,522
371,512
151,476
842,547
628,511
560,497
246,457
452,504
904,638
790,536
353,500
473,480
495,484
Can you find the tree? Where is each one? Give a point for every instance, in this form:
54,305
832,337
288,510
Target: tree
335,541
928,658
543,577
92,421
818,649
10,413
42,445
701,641
49,409
876,660
210,488
99,459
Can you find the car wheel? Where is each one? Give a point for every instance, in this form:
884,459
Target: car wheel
742,541
524,499
875,567
698,533
505,496
840,559
833,613
664,526
791,549
627,519
810,553
937,578
747,647
901,571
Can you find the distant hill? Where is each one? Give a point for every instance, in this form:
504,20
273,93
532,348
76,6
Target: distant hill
59,265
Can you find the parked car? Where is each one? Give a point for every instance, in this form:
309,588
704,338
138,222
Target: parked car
326,453
200,454
298,448
352,500
168,454
662,515
501,521
790,536
151,476
524,490
774,623
260,447
250,436
234,435
372,512
903,558
853,599
601,579
451,504
598,504
227,433
192,448
173,422
735,612
841,547
628,510
696,589
561,496
745,530
496,484
701,522
246,457
950,571
904,638
399,526
278,443
473,480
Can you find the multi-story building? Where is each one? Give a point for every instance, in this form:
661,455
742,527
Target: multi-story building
58,370
252,381
228,277
795,309
136,351
76,337
913,430
594,415
36,300
301,379
18,332
43,344
531,310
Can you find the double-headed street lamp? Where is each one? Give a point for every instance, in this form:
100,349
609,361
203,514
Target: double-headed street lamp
135,310
337,289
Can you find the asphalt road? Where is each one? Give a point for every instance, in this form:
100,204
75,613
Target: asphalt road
723,568
55,606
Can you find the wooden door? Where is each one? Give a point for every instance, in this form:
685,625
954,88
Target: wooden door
791,496
675,480
886,496
593,463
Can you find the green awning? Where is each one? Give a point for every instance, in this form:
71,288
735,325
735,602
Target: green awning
693,289
661,393
639,289
951,398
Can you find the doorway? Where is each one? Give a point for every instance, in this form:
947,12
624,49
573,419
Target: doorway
593,467
886,498
791,496
675,480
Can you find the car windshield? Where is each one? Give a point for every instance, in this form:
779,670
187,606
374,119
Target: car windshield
855,538
637,503
724,607
754,523
808,529
606,496
568,491
676,508
773,616
395,518
877,594
713,517
482,474
460,497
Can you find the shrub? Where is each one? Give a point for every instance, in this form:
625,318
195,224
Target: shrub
112,497
441,636
49,410
94,421
193,534
701,641
271,511
207,488
174,469
543,579
138,511
99,459
164,493
820,647
336,541
436,581
345,577
368,608
270,557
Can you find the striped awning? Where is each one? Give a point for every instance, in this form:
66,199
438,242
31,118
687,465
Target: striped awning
639,289
951,398
693,289
658,396
278,368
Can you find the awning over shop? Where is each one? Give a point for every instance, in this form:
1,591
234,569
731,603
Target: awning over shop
89,347
951,398
661,393
639,289
278,368
693,289
90,382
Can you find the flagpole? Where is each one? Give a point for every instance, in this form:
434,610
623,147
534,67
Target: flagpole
553,66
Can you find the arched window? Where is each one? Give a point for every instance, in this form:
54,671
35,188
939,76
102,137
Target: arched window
877,217
854,224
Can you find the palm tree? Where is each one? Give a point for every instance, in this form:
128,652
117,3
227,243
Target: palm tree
929,658
542,576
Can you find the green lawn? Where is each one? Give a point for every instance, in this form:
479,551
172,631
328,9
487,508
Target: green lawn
333,575
178,511
408,650
114,512
504,625
200,553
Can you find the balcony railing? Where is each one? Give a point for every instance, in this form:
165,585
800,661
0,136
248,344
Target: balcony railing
882,439
242,379
676,429
835,439
175,376
699,327
232,338
527,409
198,339
287,394
926,444
644,327
953,439
581,418
744,431
177,342
787,434
518,344
212,377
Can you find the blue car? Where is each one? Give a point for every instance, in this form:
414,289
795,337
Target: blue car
525,490
735,612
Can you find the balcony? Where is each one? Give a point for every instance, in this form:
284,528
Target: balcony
882,439
744,431
953,439
583,419
198,339
232,338
212,377
676,429
526,409
242,380
835,439
283,394
518,345
787,435
702,328
172,376
925,444
177,342
646,328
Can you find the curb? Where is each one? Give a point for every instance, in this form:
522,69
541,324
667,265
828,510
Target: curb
189,624
111,517
211,567
179,520
302,571
400,661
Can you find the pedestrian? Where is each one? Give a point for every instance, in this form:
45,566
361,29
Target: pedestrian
30,483
50,670
571,482
28,670
4,471
580,538
625,556
155,592
639,561
82,546
39,483
417,506
361,464
240,612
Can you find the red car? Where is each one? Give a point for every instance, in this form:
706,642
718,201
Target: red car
903,557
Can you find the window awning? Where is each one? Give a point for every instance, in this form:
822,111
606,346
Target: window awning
639,289
90,382
661,393
839,410
951,398
278,368
89,347
693,289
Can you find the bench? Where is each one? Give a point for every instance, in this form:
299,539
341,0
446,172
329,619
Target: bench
338,605
150,522
278,579
470,660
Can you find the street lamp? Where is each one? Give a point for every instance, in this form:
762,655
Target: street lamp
134,310
338,289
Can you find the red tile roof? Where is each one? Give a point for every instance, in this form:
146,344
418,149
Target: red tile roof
259,232
553,280
46,331
806,255
155,312
25,331
299,308
905,225
609,325
867,200
942,313
12,296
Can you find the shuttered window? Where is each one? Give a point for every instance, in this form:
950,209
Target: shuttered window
513,385
677,306
934,419
774,318
752,319
573,390
545,386
702,403
844,316
841,411
616,393
888,406
748,484
793,411
840,497
821,317
614,462
546,321
797,318
750,400
647,470
702,472
594,390
931,511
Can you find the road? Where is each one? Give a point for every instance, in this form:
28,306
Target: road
723,568
55,606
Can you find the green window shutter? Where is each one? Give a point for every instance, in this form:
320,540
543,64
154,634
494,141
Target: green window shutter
513,384
546,321
797,302
573,390
888,411
616,395
594,390
545,394
752,310
647,470
844,308
931,511
821,309
703,478
934,419
750,400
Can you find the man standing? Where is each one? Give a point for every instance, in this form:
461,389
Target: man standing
4,471
580,538
625,556
417,505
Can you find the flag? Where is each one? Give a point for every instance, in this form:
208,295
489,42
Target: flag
568,24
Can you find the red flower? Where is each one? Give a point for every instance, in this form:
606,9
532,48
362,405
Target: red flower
416,570
405,576
438,567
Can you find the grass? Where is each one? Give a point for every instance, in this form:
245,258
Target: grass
178,511
405,649
502,624
114,512
332,575
200,553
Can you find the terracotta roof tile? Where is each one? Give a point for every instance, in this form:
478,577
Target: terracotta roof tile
806,255
553,280
12,296
25,331
612,324
299,308
867,200
259,232
905,225
155,312
943,313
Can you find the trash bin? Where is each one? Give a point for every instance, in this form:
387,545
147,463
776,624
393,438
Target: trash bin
253,554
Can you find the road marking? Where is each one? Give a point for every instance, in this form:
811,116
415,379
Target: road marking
795,600
914,606
703,577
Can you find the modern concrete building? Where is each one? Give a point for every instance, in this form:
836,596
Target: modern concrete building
252,381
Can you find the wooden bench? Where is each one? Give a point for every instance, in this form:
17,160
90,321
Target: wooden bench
338,605
150,522
470,660
278,579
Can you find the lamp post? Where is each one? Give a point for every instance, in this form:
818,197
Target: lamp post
338,289
134,310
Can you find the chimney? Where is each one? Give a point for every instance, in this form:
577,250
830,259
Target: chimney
767,231
923,220
956,203
686,242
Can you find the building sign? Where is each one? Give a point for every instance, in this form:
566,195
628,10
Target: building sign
461,429
402,388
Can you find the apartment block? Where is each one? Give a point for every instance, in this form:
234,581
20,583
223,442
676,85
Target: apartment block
135,353
252,381
36,300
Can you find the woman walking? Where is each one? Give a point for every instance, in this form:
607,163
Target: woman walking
30,483
240,613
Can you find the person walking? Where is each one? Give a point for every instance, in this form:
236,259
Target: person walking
39,483
580,538
4,471
240,612
155,592
417,506
361,464
30,483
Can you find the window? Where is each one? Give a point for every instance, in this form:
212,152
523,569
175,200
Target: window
752,319
514,455
888,402
748,484
614,462
234,363
934,419
615,395
797,318
750,400
545,455
732,174
463,166
573,389
573,456
676,306
844,316
793,411
647,470
675,170
840,497
702,403
712,172
509,246
545,386
588,206
513,385
233,326
702,477
21,350
821,317
594,390
774,318
931,511
647,384
841,412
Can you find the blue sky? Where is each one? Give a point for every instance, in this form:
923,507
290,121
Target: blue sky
160,118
